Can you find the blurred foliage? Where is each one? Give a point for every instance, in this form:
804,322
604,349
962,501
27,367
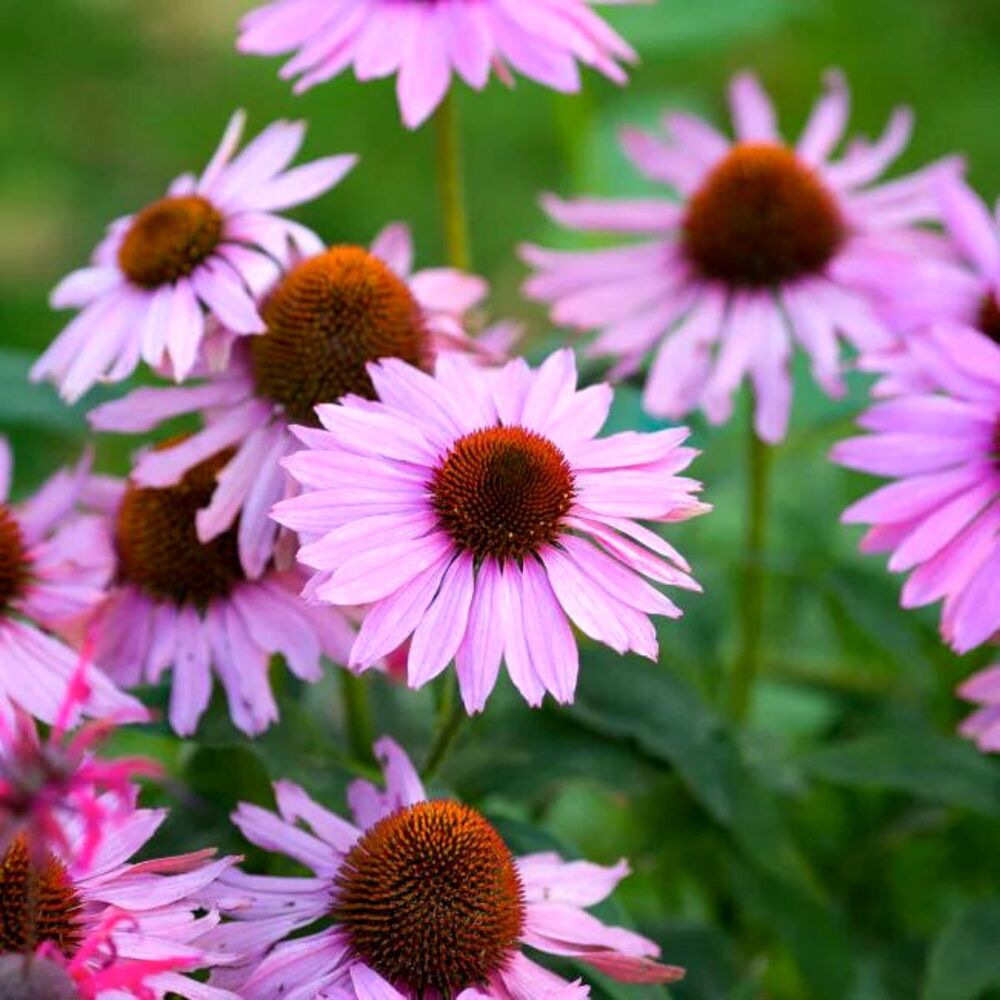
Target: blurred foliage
842,845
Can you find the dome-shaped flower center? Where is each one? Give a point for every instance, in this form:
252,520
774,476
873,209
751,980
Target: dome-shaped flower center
169,239
503,492
988,320
431,899
14,565
329,317
158,546
37,902
760,218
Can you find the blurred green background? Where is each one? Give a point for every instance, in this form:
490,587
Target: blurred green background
844,844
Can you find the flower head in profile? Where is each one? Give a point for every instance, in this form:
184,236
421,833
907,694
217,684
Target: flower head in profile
940,518
477,512
425,43
93,920
425,898
770,244
55,563
329,316
211,245
188,605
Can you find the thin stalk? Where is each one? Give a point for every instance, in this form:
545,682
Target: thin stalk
357,715
451,719
752,582
451,186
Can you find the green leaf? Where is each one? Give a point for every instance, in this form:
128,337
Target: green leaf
928,766
814,934
965,958
670,25
30,405
669,720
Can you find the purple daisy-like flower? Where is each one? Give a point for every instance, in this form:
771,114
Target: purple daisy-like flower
181,603
212,244
55,563
769,244
941,518
426,901
477,511
425,43
326,319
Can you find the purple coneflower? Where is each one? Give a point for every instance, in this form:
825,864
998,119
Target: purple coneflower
210,246
769,244
477,512
426,900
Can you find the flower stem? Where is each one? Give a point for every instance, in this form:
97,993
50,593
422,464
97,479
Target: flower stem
752,583
451,186
357,715
451,718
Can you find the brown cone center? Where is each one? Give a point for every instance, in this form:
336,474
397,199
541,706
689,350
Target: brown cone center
988,319
169,239
431,899
158,546
503,492
761,218
38,902
14,563
328,318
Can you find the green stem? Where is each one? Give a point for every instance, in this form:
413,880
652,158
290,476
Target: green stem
451,719
450,184
752,583
357,715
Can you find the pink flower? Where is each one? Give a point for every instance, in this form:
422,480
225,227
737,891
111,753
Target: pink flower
99,915
957,277
955,280
183,603
769,244
329,316
477,512
425,42
940,519
45,781
55,563
983,725
426,900
212,243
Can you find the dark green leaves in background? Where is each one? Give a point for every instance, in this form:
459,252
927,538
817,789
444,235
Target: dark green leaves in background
844,845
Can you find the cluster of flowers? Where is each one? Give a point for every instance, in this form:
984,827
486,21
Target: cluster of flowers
373,476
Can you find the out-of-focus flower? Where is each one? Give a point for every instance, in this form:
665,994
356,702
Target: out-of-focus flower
107,924
426,900
424,43
983,726
957,276
213,243
326,319
940,519
182,603
956,280
46,780
55,562
477,512
770,244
